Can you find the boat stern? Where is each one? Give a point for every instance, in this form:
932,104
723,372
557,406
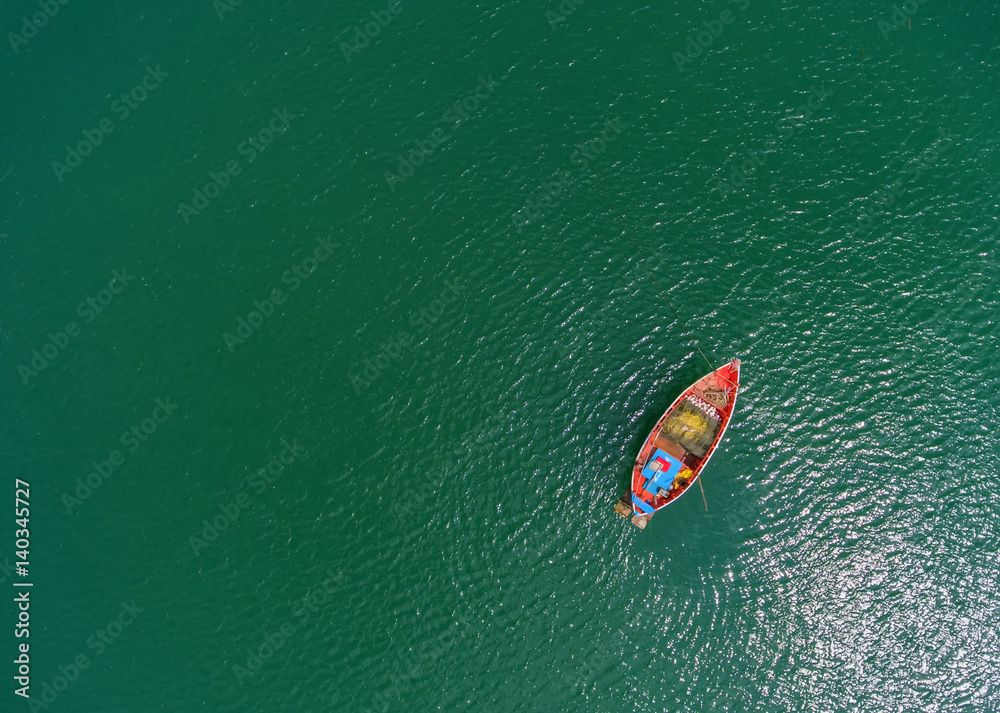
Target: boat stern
624,508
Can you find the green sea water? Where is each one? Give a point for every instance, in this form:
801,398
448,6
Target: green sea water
326,353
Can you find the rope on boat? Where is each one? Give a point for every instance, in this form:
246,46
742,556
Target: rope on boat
663,292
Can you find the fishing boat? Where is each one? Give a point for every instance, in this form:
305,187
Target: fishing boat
680,445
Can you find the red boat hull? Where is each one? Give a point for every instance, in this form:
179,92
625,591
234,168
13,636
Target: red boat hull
681,444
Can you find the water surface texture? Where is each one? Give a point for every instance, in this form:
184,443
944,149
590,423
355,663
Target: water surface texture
326,354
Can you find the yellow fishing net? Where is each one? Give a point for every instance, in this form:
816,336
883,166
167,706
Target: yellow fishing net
692,428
